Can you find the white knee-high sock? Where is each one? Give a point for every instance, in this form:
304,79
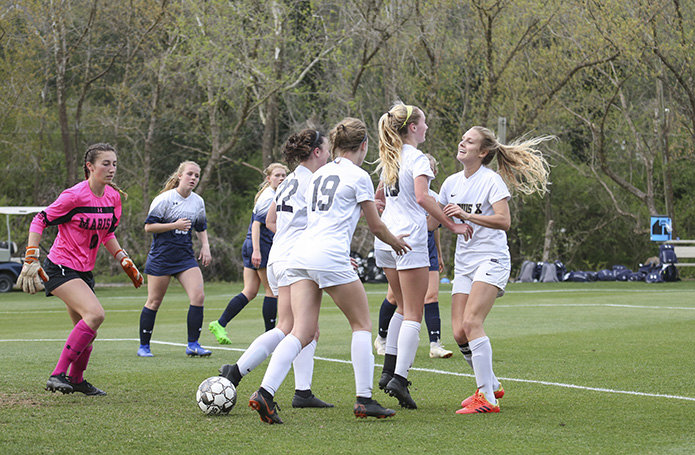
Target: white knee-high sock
468,357
259,350
408,341
304,367
482,366
280,363
393,333
362,362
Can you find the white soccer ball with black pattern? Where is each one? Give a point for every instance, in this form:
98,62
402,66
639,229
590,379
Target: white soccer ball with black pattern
216,396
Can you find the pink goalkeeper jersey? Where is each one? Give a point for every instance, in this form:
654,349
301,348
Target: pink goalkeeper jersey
84,222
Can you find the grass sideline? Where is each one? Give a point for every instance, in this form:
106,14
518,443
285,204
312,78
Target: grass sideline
588,368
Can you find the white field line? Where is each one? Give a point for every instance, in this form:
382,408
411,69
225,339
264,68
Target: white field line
448,292
426,370
328,308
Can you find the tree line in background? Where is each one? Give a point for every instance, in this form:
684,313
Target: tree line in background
225,82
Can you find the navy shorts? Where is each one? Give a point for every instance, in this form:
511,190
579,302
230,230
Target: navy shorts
59,274
159,267
432,247
247,251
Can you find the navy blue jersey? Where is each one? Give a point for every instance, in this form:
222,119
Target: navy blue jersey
260,211
172,251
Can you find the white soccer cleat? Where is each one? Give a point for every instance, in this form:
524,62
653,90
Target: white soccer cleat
437,350
380,345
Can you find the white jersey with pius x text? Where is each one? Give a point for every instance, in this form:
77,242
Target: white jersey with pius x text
333,199
403,215
291,213
476,195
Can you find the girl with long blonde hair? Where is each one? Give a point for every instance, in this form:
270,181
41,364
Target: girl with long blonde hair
174,214
478,196
404,186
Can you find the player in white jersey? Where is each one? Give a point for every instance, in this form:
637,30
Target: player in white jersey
287,217
405,177
254,253
479,196
320,260
432,316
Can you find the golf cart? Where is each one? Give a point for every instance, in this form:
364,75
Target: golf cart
10,266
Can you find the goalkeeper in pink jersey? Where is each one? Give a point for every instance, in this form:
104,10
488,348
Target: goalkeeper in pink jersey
87,215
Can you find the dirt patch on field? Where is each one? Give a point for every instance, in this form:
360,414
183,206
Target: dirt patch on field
11,400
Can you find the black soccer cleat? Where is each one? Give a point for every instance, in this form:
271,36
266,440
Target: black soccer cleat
311,401
367,407
385,378
397,389
265,407
86,388
231,372
59,383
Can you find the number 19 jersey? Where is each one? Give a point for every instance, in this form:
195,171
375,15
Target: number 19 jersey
333,196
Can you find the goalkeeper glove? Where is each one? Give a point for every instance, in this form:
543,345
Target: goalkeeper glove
31,275
130,269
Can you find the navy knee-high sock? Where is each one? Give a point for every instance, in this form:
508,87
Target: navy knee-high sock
195,322
233,308
385,313
433,321
147,318
270,312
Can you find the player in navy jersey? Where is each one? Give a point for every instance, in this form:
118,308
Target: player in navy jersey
479,196
87,215
254,252
320,261
174,214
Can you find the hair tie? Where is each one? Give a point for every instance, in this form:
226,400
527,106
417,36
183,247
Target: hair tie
315,143
409,110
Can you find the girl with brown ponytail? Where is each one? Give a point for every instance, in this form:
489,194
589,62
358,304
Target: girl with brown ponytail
87,215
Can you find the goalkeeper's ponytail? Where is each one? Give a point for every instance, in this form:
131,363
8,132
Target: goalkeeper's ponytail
91,155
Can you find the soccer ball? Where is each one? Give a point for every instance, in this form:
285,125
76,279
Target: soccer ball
216,395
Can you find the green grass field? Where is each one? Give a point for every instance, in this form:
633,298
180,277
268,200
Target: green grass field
588,368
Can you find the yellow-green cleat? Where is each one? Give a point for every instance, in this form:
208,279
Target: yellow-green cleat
219,332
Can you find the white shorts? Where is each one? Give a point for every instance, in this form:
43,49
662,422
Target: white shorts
410,260
277,276
492,271
325,279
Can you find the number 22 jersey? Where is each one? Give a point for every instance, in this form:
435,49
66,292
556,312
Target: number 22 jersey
291,213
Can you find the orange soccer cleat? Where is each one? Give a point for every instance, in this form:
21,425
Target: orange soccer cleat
499,393
479,405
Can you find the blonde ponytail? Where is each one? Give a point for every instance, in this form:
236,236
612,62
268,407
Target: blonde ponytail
268,172
173,180
393,125
520,164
